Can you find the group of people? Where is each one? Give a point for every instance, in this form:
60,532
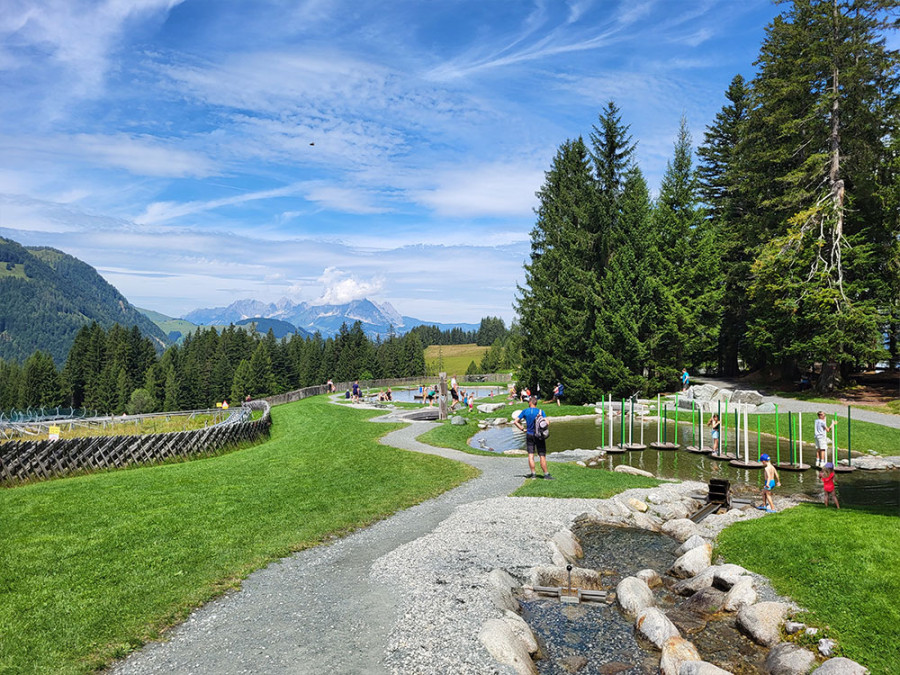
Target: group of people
525,394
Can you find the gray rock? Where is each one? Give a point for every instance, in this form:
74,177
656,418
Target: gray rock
681,529
701,668
633,595
766,407
502,579
874,463
728,575
488,408
458,421
742,594
624,468
703,392
691,563
747,396
787,658
655,626
650,577
723,395
762,621
811,631
705,601
502,598
826,647
548,575
568,545
503,644
645,521
791,627
693,584
522,630
841,666
638,505
676,651
695,541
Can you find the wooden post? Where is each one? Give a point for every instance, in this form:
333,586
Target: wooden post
442,398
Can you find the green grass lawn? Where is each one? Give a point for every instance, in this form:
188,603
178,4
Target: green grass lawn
453,359
92,567
840,565
865,435
573,481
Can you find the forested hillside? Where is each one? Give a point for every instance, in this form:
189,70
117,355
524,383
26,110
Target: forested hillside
118,370
46,297
779,251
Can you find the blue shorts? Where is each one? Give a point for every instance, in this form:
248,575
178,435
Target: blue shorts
770,485
715,433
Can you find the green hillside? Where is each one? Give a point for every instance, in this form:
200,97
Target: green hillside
46,296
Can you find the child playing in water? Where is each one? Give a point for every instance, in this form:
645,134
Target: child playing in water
772,480
714,423
821,430
826,475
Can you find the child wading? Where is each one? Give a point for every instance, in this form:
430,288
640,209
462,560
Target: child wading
715,424
826,475
772,480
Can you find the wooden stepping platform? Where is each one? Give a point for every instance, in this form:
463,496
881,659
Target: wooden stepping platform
792,467
741,464
727,457
612,449
664,446
634,447
699,451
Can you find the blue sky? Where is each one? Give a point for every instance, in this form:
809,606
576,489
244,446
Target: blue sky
170,143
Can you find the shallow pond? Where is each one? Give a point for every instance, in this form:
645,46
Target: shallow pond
415,394
860,488
598,639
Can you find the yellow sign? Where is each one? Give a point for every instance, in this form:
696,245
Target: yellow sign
54,433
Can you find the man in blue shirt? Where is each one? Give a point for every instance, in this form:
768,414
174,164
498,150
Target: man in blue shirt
532,443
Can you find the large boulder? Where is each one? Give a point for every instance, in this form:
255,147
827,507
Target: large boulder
624,468
637,504
762,621
655,626
676,651
681,529
747,396
522,630
693,584
568,544
841,666
505,646
742,594
789,659
651,577
703,392
645,521
728,575
693,542
705,601
692,563
488,408
458,421
633,595
723,395
549,575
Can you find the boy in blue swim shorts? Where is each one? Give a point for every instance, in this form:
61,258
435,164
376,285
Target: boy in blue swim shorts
770,474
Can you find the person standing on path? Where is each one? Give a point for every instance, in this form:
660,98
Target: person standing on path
454,393
558,392
532,442
821,434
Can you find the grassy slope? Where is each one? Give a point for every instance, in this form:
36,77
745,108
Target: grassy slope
456,358
91,567
841,565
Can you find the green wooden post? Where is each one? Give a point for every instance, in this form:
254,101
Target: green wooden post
666,423
602,421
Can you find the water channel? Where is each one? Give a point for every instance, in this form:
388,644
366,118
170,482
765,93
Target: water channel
859,488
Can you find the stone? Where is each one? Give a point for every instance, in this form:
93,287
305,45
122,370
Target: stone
728,575
649,577
638,505
811,631
766,407
502,598
701,668
568,545
787,658
573,663
624,468
458,421
693,542
841,666
742,594
655,626
791,627
522,630
680,529
747,396
705,601
692,563
723,395
703,392
633,595
488,408
502,579
675,651
693,584
645,521
503,644
671,511
548,575
875,463
826,647
762,621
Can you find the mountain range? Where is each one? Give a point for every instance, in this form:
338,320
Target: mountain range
375,318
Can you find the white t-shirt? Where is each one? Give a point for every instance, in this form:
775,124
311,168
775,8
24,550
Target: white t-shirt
821,431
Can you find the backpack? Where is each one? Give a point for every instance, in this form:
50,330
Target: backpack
541,427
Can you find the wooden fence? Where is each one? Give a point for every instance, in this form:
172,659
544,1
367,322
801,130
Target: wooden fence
306,392
28,460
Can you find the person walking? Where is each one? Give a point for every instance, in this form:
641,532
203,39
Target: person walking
532,443
685,379
770,474
558,392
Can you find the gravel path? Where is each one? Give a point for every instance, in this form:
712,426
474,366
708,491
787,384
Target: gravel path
324,610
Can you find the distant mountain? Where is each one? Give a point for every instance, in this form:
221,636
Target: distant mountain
178,329
376,318
279,328
46,296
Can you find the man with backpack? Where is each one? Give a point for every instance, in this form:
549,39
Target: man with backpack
537,428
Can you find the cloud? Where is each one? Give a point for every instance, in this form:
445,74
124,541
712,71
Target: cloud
341,288
487,190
